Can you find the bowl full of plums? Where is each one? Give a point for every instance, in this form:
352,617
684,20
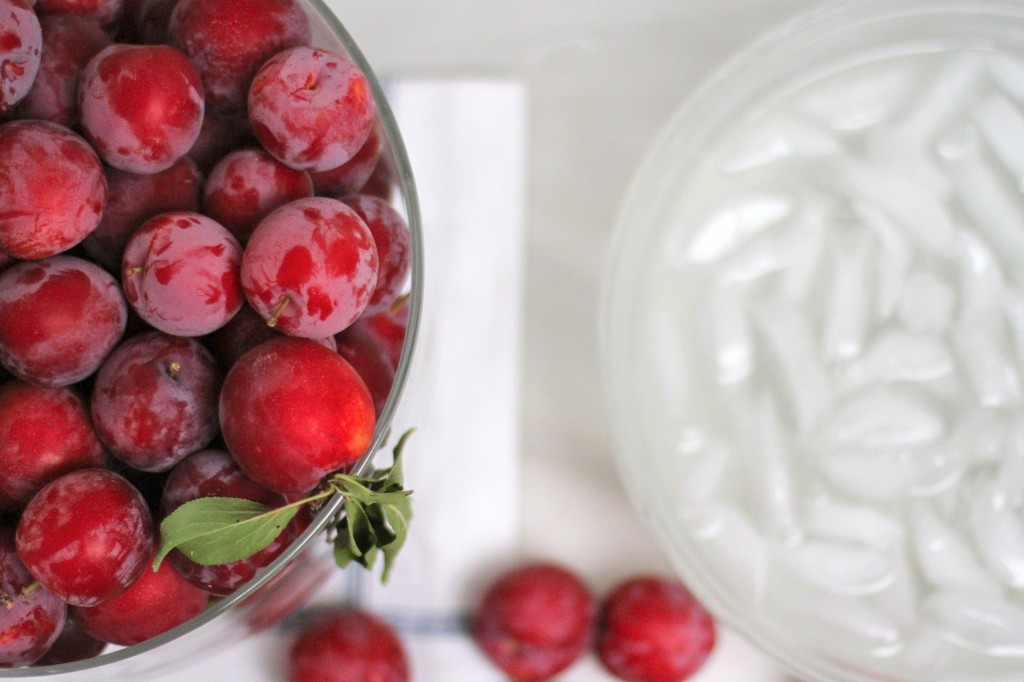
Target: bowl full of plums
210,285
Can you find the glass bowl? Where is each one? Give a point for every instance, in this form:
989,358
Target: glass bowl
296,575
813,344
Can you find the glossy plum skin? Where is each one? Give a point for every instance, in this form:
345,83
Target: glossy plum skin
347,645
310,267
86,536
58,319
213,473
291,412
44,433
29,623
653,630
180,272
352,176
21,45
248,184
229,39
393,240
370,361
154,400
312,109
132,199
52,189
141,106
535,620
156,602
69,42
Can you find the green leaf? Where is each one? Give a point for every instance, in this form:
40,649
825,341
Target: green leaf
217,530
377,513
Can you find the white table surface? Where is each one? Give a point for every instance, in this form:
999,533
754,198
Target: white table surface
601,78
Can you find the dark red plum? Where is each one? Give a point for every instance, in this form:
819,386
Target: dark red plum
52,189
154,400
312,109
351,176
69,42
86,536
133,198
229,39
59,318
44,433
348,645
291,412
30,621
393,240
248,184
310,268
180,272
21,45
141,106
156,602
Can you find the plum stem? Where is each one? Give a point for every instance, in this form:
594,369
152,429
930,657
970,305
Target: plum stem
272,322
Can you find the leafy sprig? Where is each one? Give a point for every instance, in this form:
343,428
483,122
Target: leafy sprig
217,530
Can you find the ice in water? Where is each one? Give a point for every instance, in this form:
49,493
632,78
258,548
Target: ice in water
735,548
998,532
884,417
838,567
731,225
944,556
863,331
983,623
894,256
1001,123
790,338
927,302
858,101
900,355
847,309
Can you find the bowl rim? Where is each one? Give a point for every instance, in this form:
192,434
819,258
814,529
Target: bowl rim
382,430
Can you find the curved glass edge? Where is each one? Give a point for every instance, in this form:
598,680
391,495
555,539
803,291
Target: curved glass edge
407,188
700,118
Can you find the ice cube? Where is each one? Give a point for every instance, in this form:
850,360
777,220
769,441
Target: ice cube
848,627
790,340
1008,73
992,207
893,258
927,302
944,556
852,523
884,417
891,475
998,532
849,301
912,205
991,372
775,139
1009,481
837,567
734,222
731,543
898,355
767,469
888,148
949,93
807,254
983,623
1013,310
731,340
858,100
1002,125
